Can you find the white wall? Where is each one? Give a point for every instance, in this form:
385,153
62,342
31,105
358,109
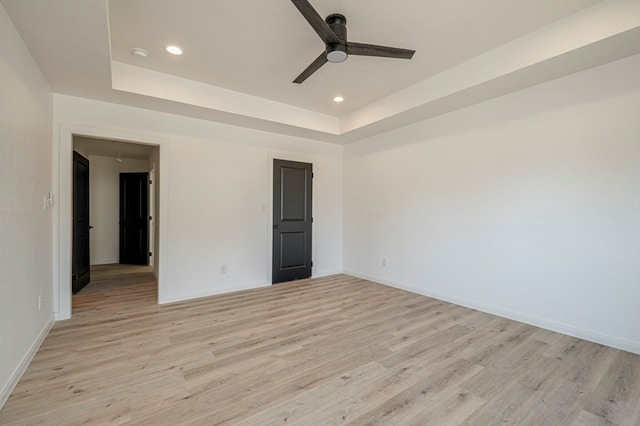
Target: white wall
218,195
527,206
25,227
104,204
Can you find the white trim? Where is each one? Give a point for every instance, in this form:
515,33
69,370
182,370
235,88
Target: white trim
321,274
581,333
215,292
62,176
24,364
111,261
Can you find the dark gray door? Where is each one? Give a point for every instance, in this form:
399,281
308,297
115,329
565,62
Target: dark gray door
80,262
292,221
134,218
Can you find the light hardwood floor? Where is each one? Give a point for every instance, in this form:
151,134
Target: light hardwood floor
323,351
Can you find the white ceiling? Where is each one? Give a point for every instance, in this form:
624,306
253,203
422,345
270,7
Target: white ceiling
115,149
259,47
241,56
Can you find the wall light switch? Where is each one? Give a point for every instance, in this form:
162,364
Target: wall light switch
47,200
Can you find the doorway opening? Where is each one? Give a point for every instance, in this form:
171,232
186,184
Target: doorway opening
121,204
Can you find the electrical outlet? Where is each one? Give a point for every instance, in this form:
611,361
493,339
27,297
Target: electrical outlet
223,269
385,262
39,302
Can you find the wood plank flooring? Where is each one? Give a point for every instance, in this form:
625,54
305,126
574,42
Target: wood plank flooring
335,350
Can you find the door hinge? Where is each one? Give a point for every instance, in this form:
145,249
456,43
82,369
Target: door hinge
150,254
150,181
311,219
312,175
150,217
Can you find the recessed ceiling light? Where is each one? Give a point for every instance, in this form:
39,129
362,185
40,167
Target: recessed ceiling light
139,52
173,49
338,99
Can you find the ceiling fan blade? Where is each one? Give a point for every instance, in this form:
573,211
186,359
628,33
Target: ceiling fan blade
315,66
315,20
374,50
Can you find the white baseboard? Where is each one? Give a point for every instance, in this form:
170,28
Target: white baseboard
26,360
568,329
326,273
234,288
105,262
214,292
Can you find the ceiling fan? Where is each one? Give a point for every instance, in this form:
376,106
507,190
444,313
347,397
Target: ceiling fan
333,32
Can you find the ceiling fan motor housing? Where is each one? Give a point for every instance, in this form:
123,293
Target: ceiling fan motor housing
333,32
337,52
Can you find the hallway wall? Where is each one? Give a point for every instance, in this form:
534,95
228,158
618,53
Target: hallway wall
104,204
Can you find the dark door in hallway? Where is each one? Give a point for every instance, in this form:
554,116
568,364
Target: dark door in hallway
292,221
134,218
80,263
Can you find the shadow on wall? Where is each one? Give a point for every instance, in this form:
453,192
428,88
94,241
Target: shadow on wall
541,99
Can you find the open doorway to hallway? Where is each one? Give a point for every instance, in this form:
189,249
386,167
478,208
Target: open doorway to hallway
121,229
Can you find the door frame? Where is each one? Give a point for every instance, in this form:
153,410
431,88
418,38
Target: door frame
62,211
288,156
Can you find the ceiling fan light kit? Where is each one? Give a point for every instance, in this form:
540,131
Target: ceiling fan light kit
337,52
333,32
